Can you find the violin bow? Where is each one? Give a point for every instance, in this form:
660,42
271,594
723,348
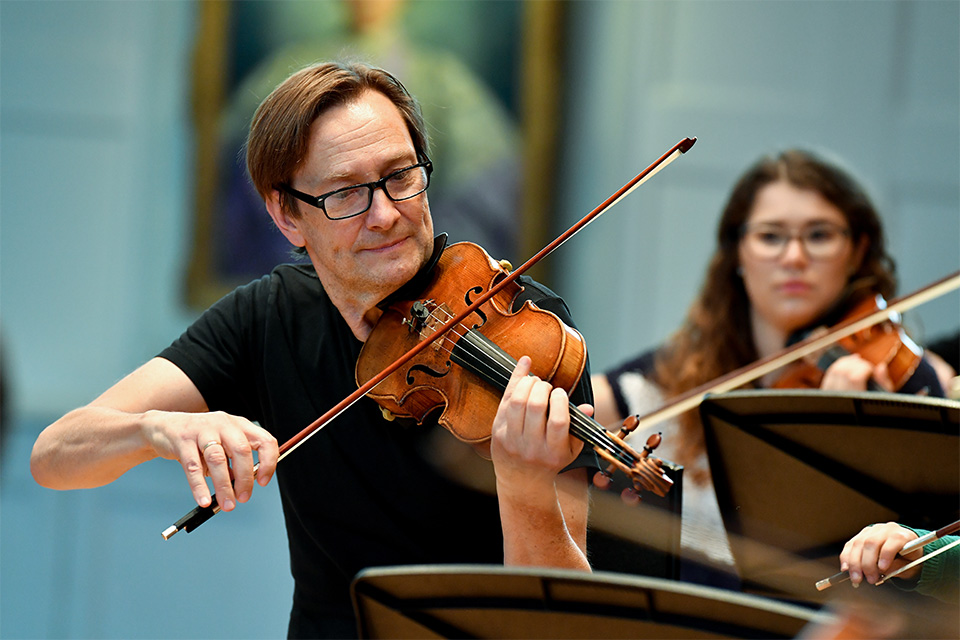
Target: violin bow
812,344
919,560
908,548
199,515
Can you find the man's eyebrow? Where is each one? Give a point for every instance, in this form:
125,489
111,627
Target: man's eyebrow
335,177
399,161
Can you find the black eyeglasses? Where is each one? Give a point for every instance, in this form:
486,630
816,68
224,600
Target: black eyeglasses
821,241
348,202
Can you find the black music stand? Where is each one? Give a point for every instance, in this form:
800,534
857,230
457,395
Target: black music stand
642,539
483,601
798,473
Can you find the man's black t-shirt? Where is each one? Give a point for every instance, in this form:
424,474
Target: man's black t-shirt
360,492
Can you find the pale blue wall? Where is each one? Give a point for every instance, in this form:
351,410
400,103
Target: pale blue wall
96,183
875,85
95,192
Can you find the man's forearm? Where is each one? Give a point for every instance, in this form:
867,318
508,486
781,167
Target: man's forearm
89,447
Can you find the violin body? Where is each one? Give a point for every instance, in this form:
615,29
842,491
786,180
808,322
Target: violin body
464,372
468,394
885,342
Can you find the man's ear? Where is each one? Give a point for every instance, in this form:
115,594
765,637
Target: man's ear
288,225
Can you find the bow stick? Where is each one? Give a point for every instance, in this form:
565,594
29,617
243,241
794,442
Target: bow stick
199,515
919,560
745,374
908,548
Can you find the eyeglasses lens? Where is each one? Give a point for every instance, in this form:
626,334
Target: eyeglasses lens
819,242
402,185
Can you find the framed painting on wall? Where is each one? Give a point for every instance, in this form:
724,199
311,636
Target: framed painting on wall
484,73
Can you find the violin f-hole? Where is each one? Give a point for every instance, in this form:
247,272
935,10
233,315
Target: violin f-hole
468,299
427,370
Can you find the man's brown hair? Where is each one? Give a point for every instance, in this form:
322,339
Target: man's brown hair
280,130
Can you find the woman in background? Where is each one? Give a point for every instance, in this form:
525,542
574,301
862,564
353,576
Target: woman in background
798,245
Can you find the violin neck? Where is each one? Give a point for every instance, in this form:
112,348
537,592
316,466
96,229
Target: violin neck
481,356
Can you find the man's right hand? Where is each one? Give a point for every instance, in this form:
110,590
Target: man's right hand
215,444
156,411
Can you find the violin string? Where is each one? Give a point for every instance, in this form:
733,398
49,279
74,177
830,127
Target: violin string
480,352
582,426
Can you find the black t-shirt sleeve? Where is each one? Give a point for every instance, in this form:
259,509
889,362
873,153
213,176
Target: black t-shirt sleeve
924,380
215,352
948,348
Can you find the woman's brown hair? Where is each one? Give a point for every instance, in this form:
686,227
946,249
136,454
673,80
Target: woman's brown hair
717,335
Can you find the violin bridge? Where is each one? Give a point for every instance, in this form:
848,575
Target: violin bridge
438,316
427,317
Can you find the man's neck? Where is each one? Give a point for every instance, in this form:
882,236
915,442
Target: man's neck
360,313
360,310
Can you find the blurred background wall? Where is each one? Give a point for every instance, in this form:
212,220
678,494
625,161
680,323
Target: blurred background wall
97,213
873,85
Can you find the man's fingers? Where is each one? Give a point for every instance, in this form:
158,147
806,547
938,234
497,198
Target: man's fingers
193,466
519,373
240,454
218,466
558,431
268,453
516,410
222,447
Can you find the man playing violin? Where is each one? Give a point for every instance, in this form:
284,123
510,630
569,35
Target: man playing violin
797,243
339,155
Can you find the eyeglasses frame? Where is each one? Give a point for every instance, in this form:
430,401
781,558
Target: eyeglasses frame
797,235
317,201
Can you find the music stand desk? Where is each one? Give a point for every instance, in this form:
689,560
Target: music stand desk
799,472
485,601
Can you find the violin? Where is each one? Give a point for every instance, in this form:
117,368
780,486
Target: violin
885,342
465,371
811,344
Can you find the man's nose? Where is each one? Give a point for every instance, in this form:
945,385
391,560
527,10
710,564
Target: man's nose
383,211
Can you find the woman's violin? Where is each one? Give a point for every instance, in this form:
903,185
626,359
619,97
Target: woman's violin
811,344
885,342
